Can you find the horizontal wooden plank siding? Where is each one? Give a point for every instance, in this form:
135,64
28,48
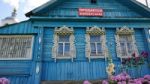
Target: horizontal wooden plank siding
19,28
73,70
92,23
111,8
81,69
19,79
19,71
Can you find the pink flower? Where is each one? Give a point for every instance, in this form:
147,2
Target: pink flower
4,81
105,82
141,79
147,77
86,82
123,82
119,83
1,81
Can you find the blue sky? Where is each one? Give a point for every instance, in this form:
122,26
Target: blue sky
23,6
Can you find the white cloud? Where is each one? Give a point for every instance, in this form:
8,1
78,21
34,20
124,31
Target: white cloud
144,2
31,4
13,3
28,4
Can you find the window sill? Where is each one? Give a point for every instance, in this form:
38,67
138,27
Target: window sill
63,57
95,57
15,59
125,57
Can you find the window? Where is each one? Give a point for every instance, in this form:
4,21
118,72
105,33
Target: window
93,1
95,43
126,45
125,42
64,47
16,47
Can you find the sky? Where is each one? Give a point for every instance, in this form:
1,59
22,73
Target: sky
23,6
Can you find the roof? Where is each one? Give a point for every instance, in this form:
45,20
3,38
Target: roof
52,3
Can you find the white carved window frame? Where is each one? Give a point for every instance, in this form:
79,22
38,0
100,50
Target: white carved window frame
62,31
95,31
125,31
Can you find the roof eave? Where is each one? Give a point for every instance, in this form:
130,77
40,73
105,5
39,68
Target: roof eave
141,5
40,8
92,19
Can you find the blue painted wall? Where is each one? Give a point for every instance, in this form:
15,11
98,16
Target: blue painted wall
69,8
24,72
81,69
19,71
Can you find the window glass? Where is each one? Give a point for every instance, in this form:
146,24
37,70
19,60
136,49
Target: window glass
64,45
96,46
95,38
126,45
93,49
63,38
99,48
60,49
15,47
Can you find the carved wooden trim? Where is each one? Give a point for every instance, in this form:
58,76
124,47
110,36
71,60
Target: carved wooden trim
95,31
64,30
125,31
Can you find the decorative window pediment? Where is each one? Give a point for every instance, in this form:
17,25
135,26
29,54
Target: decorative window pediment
64,30
95,43
124,30
64,47
125,42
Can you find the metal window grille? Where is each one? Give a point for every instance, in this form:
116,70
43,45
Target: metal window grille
13,47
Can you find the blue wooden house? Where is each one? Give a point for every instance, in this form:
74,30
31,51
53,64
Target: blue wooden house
71,40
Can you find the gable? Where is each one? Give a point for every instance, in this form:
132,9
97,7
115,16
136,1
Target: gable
111,9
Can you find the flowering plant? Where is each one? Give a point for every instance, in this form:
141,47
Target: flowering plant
4,81
124,78
135,60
